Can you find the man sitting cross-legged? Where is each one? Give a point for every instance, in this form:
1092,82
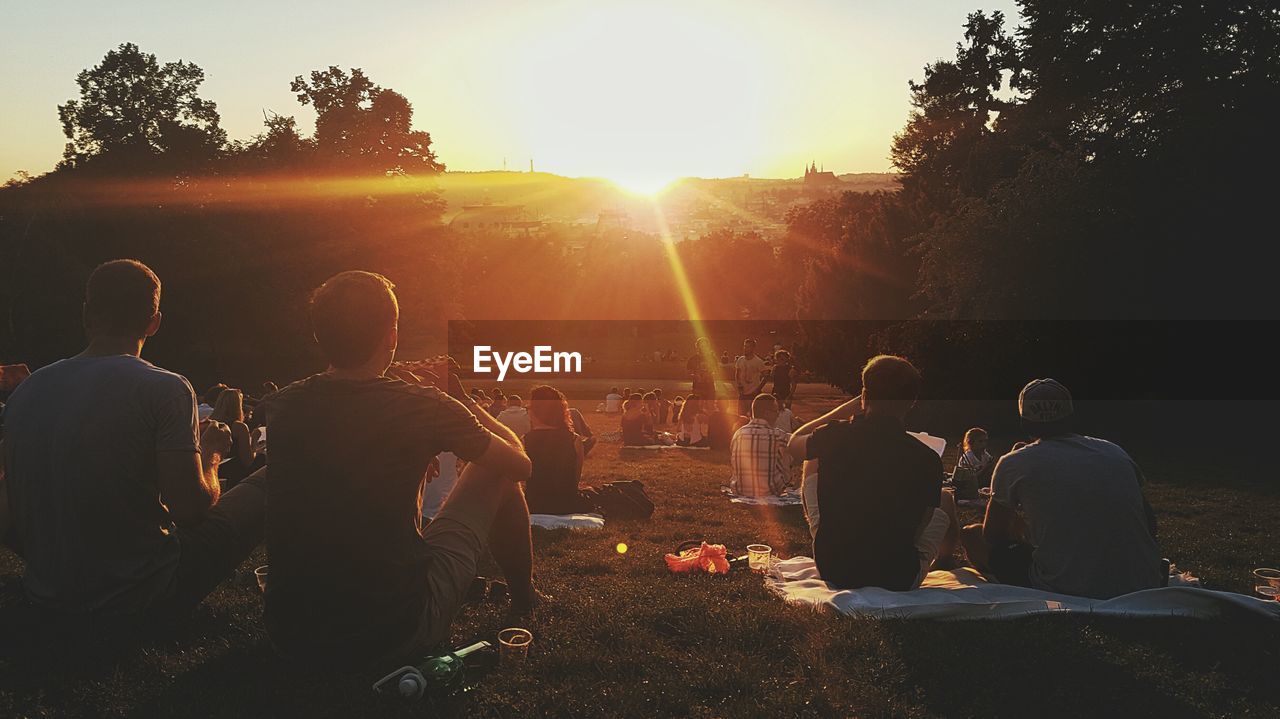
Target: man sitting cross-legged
112,486
885,517
354,579
1067,512
758,453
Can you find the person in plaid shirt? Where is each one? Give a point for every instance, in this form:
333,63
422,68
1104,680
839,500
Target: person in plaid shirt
758,452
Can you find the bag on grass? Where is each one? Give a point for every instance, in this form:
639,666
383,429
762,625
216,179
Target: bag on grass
621,500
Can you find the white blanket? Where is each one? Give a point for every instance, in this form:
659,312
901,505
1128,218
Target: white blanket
567,521
790,499
964,594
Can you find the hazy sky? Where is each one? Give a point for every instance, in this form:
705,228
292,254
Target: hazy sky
635,91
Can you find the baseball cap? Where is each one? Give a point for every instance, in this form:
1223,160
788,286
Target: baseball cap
1044,400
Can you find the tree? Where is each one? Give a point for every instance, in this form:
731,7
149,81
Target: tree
363,127
132,111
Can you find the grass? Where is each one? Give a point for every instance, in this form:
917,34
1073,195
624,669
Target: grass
625,638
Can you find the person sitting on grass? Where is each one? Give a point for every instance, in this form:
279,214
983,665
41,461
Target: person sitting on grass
885,518
499,403
1067,513
515,415
229,410
354,579
692,423
651,407
761,465
112,480
613,401
557,455
973,469
664,408
637,430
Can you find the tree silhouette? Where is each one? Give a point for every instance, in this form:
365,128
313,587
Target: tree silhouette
132,111
363,127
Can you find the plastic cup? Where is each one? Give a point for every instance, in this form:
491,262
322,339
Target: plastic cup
260,574
758,556
1267,576
1266,591
513,645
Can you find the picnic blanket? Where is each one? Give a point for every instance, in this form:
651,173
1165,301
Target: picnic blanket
965,594
567,521
791,498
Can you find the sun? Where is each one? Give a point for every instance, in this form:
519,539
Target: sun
647,186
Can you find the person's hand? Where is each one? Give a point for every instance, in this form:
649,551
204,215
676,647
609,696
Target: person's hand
433,469
215,437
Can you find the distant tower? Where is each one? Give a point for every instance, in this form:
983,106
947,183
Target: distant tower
504,164
530,165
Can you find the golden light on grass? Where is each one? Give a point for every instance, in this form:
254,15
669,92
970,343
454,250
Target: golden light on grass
622,548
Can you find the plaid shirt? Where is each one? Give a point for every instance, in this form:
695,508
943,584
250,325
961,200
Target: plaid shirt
758,456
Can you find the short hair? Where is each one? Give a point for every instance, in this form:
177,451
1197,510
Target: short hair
514,399
613,390
762,404
121,298
350,315
211,395
749,341
649,396
890,378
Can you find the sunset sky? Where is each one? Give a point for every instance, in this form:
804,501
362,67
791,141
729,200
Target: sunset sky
639,92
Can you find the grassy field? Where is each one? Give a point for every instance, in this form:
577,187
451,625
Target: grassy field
625,638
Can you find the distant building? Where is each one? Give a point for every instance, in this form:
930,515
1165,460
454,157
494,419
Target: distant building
815,178
507,219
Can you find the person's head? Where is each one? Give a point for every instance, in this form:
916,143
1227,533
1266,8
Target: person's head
122,301
657,393
650,397
890,385
497,393
702,344
613,390
211,395
548,408
1046,409
678,400
229,407
626,393
692,405
765,406
975,440
636,396
269,388
781,356
632,405
513,400
749,347
355,318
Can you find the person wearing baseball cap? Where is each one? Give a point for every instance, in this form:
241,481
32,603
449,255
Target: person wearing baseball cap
1067,513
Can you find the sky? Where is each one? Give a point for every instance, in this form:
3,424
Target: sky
639,92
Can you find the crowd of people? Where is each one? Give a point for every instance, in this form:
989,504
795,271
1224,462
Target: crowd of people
112,479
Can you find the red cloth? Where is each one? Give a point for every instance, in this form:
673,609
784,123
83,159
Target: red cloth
709,558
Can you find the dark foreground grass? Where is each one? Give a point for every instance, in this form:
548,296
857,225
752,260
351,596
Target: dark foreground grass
625,638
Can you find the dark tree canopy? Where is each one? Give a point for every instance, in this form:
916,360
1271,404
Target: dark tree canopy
363,127
133,110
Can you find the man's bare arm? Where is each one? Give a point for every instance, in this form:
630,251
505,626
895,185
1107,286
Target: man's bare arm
189,480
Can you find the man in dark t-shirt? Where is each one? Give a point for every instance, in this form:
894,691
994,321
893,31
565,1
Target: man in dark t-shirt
354,579
879,489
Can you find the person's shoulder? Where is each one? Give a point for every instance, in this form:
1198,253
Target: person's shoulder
1104,446
153,375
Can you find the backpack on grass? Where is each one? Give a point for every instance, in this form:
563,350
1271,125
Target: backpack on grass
621,500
